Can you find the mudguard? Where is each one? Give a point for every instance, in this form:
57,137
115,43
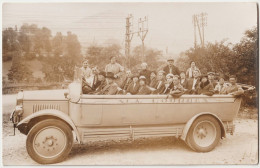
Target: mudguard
189,123
52,112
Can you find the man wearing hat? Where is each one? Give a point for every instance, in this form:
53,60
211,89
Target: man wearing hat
111,87
170,68
134,85
211,77
143,89
101,83
169,84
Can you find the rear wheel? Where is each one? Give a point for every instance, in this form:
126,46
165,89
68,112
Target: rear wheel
49,141
204,134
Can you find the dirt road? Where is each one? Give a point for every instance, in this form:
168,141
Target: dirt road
241,148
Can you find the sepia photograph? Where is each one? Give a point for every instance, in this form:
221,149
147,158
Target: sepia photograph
130,83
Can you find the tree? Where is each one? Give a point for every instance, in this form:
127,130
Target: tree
19,71
229,59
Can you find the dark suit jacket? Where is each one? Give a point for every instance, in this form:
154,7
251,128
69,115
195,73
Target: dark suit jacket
144,90
189,86
109,89
96,82
206,90
175,70
131,89
168,89
159,89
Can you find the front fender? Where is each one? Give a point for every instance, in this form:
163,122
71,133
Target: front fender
189,123
52,112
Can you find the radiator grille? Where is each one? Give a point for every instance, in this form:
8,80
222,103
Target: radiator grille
38,107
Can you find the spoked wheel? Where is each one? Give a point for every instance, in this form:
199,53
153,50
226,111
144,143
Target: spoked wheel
204,134
49,141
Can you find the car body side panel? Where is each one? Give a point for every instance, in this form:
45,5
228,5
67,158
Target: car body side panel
154,111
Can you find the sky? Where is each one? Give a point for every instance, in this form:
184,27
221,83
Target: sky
169,23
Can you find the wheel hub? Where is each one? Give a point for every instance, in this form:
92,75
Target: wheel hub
204,133
49,142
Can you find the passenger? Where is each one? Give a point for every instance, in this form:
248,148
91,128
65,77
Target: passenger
193,83
177,89
183,80
205,87
114,67
234,89
111,87
189,72
160,86
101,83
143,89
87,78
221,86
153,80
170,68
86,71
211,77
169,84
134,86
127,81
96,82
145,72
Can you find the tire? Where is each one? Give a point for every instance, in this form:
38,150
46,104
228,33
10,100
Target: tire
204,134
49,141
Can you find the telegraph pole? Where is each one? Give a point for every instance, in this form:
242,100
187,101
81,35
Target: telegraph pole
199,21
128,37
195,35
142,31
203,18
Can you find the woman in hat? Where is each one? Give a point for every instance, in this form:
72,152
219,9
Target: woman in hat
134,85
143,89
205,87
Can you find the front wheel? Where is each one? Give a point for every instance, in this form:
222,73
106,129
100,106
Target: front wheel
204,134
49,141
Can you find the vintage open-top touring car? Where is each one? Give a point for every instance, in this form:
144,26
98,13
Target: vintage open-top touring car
52,119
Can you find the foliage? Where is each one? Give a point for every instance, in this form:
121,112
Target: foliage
58,55
226,58
19,71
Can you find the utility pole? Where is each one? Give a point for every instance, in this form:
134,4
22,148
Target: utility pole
142,31
128,37
199,21
203,19
195,35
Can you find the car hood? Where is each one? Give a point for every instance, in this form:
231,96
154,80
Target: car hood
44,95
